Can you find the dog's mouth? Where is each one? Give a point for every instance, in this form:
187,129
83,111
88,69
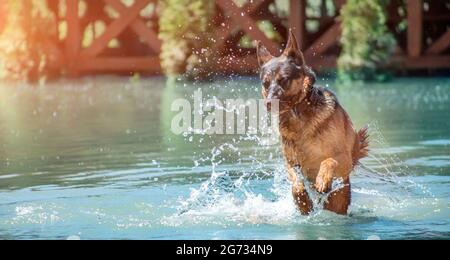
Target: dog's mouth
275,105
272,105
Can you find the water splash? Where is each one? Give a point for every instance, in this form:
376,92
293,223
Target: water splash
253,188
236,196
391,177
381,185
389,167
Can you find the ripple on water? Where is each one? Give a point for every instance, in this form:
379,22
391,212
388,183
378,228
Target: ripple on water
442,142
394,150
430,161
9,176
34,213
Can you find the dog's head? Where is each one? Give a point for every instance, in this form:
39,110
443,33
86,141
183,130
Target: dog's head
285,78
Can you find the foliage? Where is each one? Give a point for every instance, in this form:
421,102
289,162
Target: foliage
367,43
27,50
185,31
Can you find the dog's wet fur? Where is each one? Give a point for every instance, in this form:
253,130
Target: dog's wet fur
318,138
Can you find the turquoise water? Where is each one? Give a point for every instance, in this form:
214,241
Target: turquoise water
95,159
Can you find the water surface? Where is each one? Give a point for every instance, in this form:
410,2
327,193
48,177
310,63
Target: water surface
96,159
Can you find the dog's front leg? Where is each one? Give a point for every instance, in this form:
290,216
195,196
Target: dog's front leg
339,200
324,179
301,197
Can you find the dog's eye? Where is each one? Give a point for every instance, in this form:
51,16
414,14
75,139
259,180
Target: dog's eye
283,81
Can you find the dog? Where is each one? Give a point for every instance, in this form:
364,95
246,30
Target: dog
319,142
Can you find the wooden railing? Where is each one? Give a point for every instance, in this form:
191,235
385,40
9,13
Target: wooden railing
92,58
138,45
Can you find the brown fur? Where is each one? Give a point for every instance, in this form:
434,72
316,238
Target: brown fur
317,134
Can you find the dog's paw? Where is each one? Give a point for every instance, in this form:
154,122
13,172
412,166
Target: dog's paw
323,183
324,179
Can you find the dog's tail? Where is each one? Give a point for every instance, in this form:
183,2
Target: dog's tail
361,148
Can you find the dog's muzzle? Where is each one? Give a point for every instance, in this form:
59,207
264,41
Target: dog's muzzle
272,100
272,105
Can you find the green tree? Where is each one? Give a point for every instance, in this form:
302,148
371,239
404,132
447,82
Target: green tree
185,30
367,44
27,43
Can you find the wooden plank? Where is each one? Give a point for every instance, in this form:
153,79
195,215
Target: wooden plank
247,24
325,41
236,65
423,62
440,44
414,10
339,4
297,20
255,5
249,64
74,37
147,34
229,25
149,64
2,15
320,63
223,33
114,29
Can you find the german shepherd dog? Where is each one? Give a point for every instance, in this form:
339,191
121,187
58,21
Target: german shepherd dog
318,139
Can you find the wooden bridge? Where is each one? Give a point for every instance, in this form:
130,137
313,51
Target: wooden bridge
124,37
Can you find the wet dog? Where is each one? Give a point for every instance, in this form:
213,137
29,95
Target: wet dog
318,139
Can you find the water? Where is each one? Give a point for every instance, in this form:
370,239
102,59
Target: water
95,159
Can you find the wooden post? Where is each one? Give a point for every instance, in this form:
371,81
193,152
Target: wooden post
2,14
323,10
74,37
415,18
297,20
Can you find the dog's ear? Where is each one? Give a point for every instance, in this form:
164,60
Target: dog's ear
263,54
309,77
293,51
